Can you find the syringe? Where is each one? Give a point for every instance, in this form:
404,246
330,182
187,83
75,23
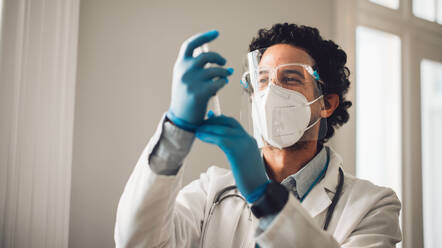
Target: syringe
213,104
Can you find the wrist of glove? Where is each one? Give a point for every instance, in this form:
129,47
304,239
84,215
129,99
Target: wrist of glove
180,122
272,201
257,193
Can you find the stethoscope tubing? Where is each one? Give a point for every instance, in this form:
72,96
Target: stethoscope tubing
218,199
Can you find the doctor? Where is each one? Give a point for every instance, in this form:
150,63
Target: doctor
286,188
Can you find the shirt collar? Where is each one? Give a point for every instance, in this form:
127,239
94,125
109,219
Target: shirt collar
301,181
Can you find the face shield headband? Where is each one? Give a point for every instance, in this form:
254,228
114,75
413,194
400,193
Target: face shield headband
284,102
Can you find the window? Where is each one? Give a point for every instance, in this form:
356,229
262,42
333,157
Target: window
394,4
378,111
396,84
430,10
431,110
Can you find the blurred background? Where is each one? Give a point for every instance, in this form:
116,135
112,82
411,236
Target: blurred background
84,84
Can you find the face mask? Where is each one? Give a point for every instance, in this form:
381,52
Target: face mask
280,116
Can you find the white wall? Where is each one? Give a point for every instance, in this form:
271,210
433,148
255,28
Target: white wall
126,53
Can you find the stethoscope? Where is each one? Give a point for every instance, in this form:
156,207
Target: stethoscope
222,195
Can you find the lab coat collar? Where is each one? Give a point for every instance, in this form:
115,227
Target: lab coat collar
318,200
302,180
330,180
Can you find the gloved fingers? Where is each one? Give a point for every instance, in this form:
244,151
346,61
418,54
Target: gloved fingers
213,86
221,141
196,41
210,73
209,57
208,138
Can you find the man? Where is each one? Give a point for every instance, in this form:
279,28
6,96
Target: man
285,187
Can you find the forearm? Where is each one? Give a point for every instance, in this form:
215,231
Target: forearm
146,205
172,147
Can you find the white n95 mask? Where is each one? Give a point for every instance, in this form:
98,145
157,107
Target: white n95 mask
276,97
280,116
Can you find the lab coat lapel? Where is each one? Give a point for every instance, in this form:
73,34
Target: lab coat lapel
318,200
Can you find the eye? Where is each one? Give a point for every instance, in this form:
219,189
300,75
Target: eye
262,85
291,75
288,79
263,80
263,77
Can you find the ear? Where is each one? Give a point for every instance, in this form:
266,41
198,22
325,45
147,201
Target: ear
331,102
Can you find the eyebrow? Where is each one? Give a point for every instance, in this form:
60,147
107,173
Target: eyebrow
263,71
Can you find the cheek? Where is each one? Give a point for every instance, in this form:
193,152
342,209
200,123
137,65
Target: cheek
309,93
317,109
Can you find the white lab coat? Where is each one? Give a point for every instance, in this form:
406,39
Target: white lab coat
154,212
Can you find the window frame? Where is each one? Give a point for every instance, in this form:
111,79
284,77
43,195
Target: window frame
417,36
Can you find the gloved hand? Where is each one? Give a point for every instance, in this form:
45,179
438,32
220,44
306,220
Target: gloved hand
193,85
242,152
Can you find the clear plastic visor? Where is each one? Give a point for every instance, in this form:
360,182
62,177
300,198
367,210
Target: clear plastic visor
281,104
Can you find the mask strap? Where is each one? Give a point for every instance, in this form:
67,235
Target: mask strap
314,123
310,103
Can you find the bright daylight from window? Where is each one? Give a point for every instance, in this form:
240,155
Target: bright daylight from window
393,4
431,104
430,10
378,89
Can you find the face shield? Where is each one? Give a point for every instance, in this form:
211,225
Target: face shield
281,102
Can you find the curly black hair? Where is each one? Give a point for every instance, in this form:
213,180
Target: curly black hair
329,62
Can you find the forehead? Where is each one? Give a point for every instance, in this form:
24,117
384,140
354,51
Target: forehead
284,54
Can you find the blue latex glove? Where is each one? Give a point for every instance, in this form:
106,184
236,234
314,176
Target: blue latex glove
193,85
242,152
